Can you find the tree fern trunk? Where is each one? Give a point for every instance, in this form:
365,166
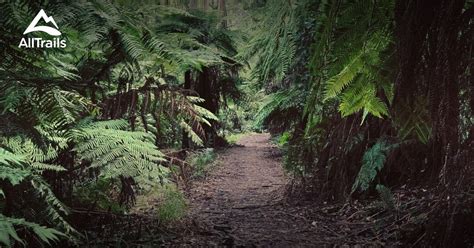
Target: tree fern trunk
430,58
187,86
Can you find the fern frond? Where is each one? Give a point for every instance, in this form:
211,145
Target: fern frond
372,162
337,83
54,207
47,167
191,134
279,106
7,158
118,152
14,175
7,231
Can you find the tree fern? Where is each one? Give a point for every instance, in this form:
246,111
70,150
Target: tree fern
348,59
7,231
191,134
119,152
363,68
279,106
337,83
275,47
116,66
19,169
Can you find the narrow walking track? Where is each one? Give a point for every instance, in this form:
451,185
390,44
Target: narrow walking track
241,202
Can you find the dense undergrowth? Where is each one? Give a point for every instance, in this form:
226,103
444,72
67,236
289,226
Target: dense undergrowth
370,101
376,95
86,128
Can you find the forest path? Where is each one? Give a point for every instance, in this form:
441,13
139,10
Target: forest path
241,202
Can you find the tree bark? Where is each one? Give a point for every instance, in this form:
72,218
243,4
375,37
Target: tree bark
223,11
187,86
193,4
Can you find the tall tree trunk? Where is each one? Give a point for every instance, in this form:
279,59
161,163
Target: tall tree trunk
223,12
193,4
430,58
205,5
187,86
206,87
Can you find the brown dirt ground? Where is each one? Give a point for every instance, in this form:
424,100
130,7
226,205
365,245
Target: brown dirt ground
241,202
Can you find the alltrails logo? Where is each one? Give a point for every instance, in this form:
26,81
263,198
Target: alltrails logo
39,42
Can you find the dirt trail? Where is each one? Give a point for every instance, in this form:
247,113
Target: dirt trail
241,202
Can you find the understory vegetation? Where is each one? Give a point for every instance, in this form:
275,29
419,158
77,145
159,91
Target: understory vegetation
370,101
201,162
88,127
369,96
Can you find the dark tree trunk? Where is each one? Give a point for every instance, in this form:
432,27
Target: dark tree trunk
207,87
187,86
430,55
223,11
193,4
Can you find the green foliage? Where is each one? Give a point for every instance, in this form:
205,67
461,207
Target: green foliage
100,194
284,138
358,79
172,204
7,231
372,163
275,46
24,168
280,107
233,138
349,60
386,196
33,155
102,105
10,171
201,161
120,152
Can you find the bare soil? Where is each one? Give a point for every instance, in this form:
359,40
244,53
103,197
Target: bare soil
241,202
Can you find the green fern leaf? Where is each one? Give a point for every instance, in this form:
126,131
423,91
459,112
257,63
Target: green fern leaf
372,162
7,230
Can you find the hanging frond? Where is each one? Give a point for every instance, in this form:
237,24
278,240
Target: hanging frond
362,68
191,134
8,231
280,107
274,48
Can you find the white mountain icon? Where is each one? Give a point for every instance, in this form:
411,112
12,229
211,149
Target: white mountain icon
50,30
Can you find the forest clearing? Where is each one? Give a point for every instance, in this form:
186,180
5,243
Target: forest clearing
237,123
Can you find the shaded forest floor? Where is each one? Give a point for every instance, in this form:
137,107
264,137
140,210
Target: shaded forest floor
243,202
